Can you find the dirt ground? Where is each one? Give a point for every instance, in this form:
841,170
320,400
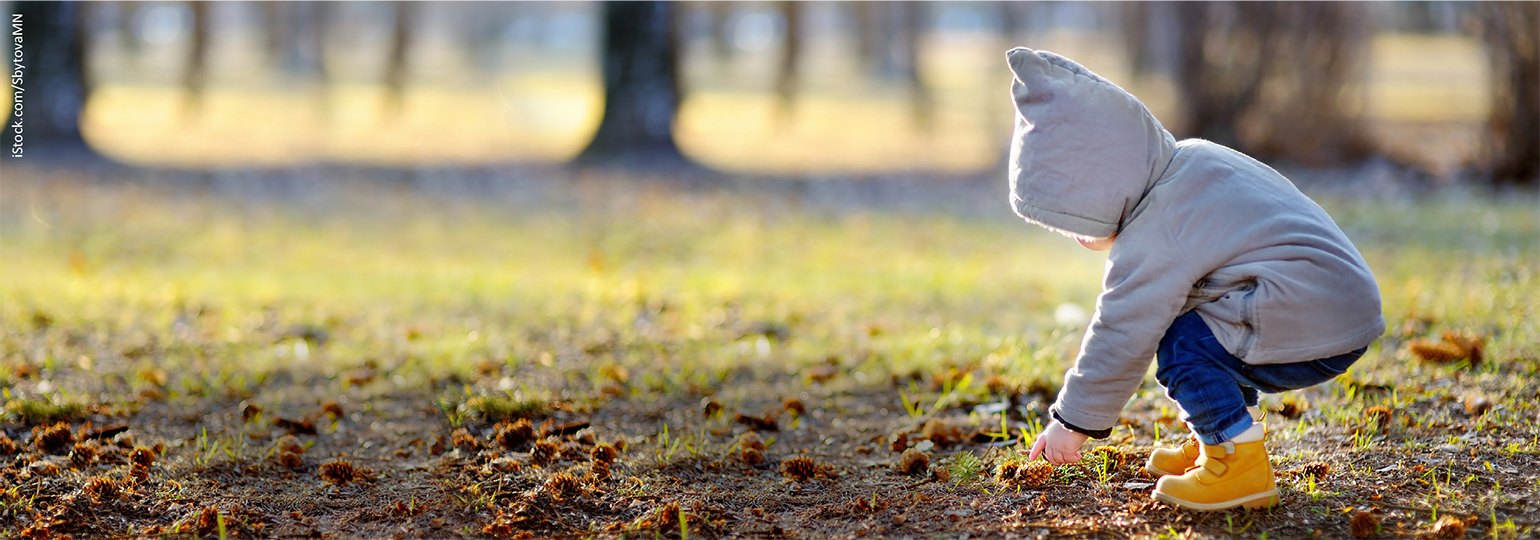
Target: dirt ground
683,465
394,409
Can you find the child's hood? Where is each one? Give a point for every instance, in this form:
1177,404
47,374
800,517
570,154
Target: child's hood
1085,151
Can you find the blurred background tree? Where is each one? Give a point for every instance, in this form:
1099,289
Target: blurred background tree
1276,80
641,87
1511,31
1447,88
54,83
404,21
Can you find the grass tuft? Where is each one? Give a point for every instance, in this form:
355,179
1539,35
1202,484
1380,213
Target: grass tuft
34,412
503,409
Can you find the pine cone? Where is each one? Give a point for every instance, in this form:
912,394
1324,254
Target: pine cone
599,470
1380,415
1436,352
109,455
544,453
504,465
604,453
82,455
1006,474
43,468
337,471
1449,527
289,460
514,435
1291,409
1315,469
561,485
54,438
1477,405
1364,525
751,456
499,528
668,516
1034,473
573,451
101,489
940,433
941,474
799,468
289,443
124,440
750,439
206,521
7,446
251,410
142,457
1470,345
463,440
913,462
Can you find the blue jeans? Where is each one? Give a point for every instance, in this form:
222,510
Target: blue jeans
1213,387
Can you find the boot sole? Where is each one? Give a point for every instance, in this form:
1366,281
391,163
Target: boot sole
1152,469
1265,499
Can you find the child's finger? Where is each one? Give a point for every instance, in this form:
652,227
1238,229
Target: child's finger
1037,449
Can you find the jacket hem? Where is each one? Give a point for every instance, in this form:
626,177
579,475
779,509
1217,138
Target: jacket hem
1354,341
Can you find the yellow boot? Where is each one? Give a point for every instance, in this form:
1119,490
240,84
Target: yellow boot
1174,461
1227,475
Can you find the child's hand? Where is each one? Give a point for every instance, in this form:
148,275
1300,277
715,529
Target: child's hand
1058,445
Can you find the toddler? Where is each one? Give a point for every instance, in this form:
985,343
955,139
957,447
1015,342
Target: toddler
1219,268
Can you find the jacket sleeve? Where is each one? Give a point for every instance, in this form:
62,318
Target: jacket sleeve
1144,291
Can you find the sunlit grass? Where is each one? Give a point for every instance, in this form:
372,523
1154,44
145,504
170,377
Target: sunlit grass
671,284
34,412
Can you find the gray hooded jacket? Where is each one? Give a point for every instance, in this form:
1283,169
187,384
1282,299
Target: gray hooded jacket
1199,227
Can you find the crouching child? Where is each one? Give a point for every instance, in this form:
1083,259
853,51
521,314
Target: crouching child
1218,268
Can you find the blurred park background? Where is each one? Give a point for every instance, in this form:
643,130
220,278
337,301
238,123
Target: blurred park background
1447,90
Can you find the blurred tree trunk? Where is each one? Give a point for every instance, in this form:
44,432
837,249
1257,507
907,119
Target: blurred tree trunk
296,38
1313,95
914,15
787,74
1135,27
1218,81
128,30
1275,80
720,33
397,68
641,88
483,40
867,33
54,84
889,47
195,76
1149,39
1511,31
296,46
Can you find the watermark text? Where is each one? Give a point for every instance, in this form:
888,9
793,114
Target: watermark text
18,78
